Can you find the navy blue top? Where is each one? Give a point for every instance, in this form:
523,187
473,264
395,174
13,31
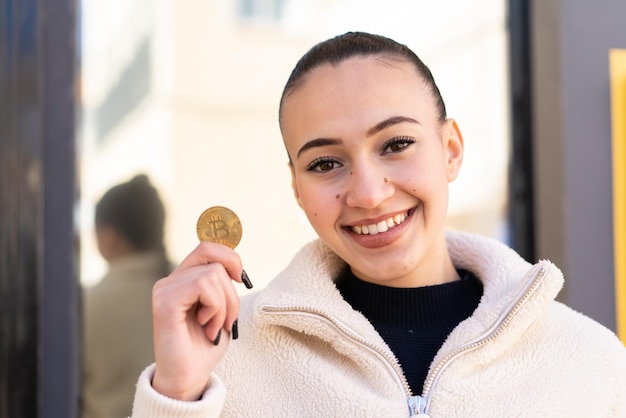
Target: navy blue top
414,322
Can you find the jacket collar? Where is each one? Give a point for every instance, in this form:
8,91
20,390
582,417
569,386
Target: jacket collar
516,293
308,283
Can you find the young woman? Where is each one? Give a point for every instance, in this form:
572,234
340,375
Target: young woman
387,314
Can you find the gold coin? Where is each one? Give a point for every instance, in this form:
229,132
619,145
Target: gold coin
221,225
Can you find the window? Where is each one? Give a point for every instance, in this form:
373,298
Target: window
261,10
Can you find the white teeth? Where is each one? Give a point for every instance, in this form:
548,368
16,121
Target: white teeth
382,226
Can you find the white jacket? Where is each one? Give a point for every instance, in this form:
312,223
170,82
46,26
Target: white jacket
303,351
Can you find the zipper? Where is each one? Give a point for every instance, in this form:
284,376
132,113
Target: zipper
419,405
496,329
389,360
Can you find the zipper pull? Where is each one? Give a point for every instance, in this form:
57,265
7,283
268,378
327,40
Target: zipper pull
417,406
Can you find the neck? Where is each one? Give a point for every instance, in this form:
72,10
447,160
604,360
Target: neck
432,268
119,251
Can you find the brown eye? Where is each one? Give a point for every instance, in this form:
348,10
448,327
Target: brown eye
323,164
326,165
396,145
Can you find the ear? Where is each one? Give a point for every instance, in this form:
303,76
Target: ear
294,185
453,145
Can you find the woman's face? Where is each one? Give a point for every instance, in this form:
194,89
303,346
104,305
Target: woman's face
371,167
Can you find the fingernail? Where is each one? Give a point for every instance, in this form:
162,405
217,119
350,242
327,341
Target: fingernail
235,331
217,338
245,279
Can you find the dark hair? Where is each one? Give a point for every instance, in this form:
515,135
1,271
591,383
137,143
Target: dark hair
351,44
135,210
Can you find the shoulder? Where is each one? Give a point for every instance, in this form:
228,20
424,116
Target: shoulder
580,327
584,340
596,353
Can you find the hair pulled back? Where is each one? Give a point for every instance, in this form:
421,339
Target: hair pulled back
359,44
135,210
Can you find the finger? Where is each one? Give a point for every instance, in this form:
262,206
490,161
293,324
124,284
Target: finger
232,303
180,290
218,303
218,307
205,313
212,318
174,297
214,326
211,252
212,300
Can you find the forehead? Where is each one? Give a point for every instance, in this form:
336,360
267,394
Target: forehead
356,69
357,92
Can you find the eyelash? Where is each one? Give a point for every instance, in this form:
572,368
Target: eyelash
404,141
318,162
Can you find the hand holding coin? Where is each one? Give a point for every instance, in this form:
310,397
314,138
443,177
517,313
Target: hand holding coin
193,305
221,225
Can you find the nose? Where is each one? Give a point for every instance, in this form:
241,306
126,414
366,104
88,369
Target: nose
368,187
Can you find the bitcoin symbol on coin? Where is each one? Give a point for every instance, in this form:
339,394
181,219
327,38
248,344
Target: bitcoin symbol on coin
221,225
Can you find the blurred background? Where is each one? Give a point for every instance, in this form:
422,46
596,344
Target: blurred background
93,93
187,92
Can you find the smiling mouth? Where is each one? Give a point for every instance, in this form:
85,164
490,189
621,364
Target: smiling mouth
380,227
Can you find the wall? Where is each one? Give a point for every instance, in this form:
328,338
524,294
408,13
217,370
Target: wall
572,142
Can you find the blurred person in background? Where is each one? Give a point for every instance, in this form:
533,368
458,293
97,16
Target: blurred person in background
117,319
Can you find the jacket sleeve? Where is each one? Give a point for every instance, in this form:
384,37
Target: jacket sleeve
619,384
149,403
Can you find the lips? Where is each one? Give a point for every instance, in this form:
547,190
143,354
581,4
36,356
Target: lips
382,226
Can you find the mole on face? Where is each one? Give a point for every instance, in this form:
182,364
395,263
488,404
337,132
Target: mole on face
337,196
386,180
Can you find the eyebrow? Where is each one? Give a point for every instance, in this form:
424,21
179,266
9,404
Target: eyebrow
319,142
322,142
394,120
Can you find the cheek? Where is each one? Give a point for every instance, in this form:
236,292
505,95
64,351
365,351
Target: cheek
425,183
319,204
